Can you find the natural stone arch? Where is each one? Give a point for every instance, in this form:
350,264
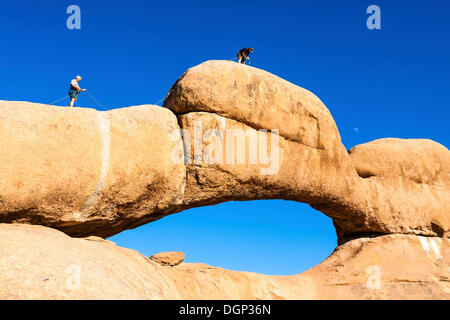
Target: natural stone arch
57,172
87,172
405,192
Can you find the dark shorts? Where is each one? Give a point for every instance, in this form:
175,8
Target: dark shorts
73,93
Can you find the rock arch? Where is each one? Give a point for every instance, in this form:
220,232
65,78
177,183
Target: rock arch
59,173
91,173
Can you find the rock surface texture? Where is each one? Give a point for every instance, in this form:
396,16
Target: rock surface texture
227,132
87,172
171,258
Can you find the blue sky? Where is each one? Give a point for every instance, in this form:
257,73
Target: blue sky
392,82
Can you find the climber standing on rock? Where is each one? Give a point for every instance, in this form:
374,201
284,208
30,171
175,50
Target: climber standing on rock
244,54
74,90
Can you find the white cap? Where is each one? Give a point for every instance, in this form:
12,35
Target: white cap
78,77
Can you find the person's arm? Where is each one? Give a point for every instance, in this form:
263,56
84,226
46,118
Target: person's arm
78,88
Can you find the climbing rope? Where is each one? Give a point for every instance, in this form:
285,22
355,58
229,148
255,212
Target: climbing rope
157,103
90,95
99,104
58,100
95,100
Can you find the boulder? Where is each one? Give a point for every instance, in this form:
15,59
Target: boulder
88,172
256,98
406,182
171,258
422,161
48,264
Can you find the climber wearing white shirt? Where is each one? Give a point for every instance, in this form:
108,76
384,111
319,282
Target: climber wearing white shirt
74,90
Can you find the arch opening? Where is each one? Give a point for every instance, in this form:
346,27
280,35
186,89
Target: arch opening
273,237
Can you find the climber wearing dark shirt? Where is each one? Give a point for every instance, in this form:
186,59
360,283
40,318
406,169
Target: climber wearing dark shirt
244,54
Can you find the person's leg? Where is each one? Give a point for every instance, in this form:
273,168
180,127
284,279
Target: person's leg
239,59
72,101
